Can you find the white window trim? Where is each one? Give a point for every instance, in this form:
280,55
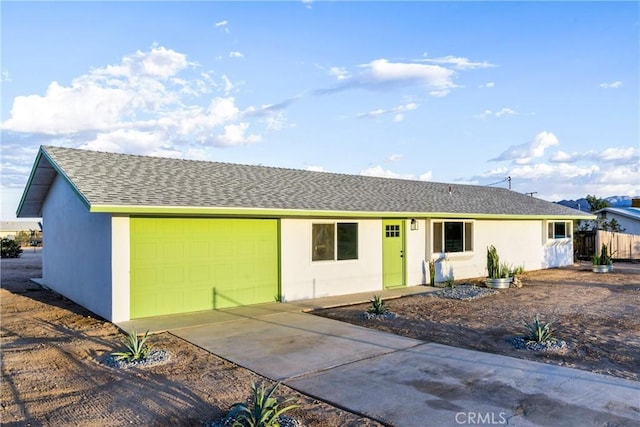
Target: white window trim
568,227
335,242
454,254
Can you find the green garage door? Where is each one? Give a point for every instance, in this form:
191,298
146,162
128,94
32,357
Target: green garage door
180,265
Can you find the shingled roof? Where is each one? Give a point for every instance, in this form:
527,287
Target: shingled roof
109,182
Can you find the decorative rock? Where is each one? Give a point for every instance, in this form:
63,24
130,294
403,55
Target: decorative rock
516,283
464,292
553,345
155,357
283,421
372,316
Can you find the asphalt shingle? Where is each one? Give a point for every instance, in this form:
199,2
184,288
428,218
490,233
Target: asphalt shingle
130,180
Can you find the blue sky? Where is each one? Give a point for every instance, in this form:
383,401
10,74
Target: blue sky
462,92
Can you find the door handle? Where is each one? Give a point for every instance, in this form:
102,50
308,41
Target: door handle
401,254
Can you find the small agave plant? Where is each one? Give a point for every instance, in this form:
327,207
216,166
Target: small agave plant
378,306
538,331
264,412
137,348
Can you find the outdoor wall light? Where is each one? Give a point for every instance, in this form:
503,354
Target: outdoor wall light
414,224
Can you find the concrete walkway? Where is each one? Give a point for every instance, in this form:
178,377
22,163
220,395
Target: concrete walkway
401,381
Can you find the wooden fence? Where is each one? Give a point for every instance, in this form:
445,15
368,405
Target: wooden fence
622,246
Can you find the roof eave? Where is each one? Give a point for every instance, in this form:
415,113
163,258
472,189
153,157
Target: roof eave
281,213
36,212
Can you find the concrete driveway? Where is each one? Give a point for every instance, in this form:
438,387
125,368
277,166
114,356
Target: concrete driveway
400,381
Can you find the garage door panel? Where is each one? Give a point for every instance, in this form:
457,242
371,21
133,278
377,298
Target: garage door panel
180,265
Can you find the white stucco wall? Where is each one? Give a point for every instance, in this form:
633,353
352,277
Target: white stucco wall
415,252
76,257
302,278
120,268
519,243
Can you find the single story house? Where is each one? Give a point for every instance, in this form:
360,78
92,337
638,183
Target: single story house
628,218
133,236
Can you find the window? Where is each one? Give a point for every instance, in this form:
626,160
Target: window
453,236
559,229
324,244
392,231
323,238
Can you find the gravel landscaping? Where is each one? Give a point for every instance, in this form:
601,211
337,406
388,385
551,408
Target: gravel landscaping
155,357
596,318
465,292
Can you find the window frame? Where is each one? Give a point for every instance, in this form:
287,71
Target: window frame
551,232
467,239
340,253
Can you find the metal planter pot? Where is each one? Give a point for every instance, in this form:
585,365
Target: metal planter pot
500,283
598,268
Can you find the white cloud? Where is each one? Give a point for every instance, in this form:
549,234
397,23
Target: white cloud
277,121
487,85
524,153
385,72
459,62
235,135
315,168
395,157
236,54
617,155
154,102
505,112
502,112
131,141
68,109
621,175
612,85
158,62
396,111
381,172
437,74
543,170
5,77
439,93
223,25
228,86
427,176
611,171
339,72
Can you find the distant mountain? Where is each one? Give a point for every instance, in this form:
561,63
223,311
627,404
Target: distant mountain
583,205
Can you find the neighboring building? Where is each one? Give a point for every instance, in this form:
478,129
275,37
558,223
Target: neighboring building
11,229
627,218
133,236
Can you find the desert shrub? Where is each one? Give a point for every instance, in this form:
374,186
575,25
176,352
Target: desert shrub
263,412
10,248
137,348
517,271
538,331
378,306
432,272
450,282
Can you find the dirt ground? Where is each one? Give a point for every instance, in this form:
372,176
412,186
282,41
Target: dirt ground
598,315
52,375
52,348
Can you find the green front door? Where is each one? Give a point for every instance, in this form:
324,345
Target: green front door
392,253
180,265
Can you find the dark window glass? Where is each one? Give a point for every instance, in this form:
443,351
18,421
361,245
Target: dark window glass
453,237
347,240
